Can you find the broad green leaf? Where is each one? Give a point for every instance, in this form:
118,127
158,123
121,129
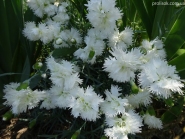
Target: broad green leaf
60,52
34,81
178,62
171,114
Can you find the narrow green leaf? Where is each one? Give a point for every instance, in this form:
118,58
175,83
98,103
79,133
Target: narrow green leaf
76,134
151,111
175,38
26,70
169,102
5,47
91,54
6,74
146,19
7,116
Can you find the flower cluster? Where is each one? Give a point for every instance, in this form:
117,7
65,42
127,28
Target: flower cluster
123,64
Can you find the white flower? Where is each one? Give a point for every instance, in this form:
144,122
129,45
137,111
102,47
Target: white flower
160,78
152,49
121,39
31,31
62,15
93,49
63,73
45,34
61,97
152,121
113,103
96,34
86,104
103,14
68,38
41,7
122,65
119,127
47,101
23,99
142,98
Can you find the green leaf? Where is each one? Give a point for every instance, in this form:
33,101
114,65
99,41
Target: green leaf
103,137
151,111
91,54
171,114
61,52
22,86
175,38
7,116
143,7
169,102
26,70
34,81
32,123
76,134
178,62
134,87
5,46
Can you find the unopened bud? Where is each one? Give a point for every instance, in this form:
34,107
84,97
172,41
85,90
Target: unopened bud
44,75
58,41
73,40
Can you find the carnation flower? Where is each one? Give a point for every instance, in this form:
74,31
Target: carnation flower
30,31
23,99
160,78
142,98
122,65
86,103
113,103
47,101
121,39
61,97
93,49
95,34
68,38
152,121
152,49
62,15
41,7
63,73
103,14
119,127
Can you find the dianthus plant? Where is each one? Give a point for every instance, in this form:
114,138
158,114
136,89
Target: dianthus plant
90,82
